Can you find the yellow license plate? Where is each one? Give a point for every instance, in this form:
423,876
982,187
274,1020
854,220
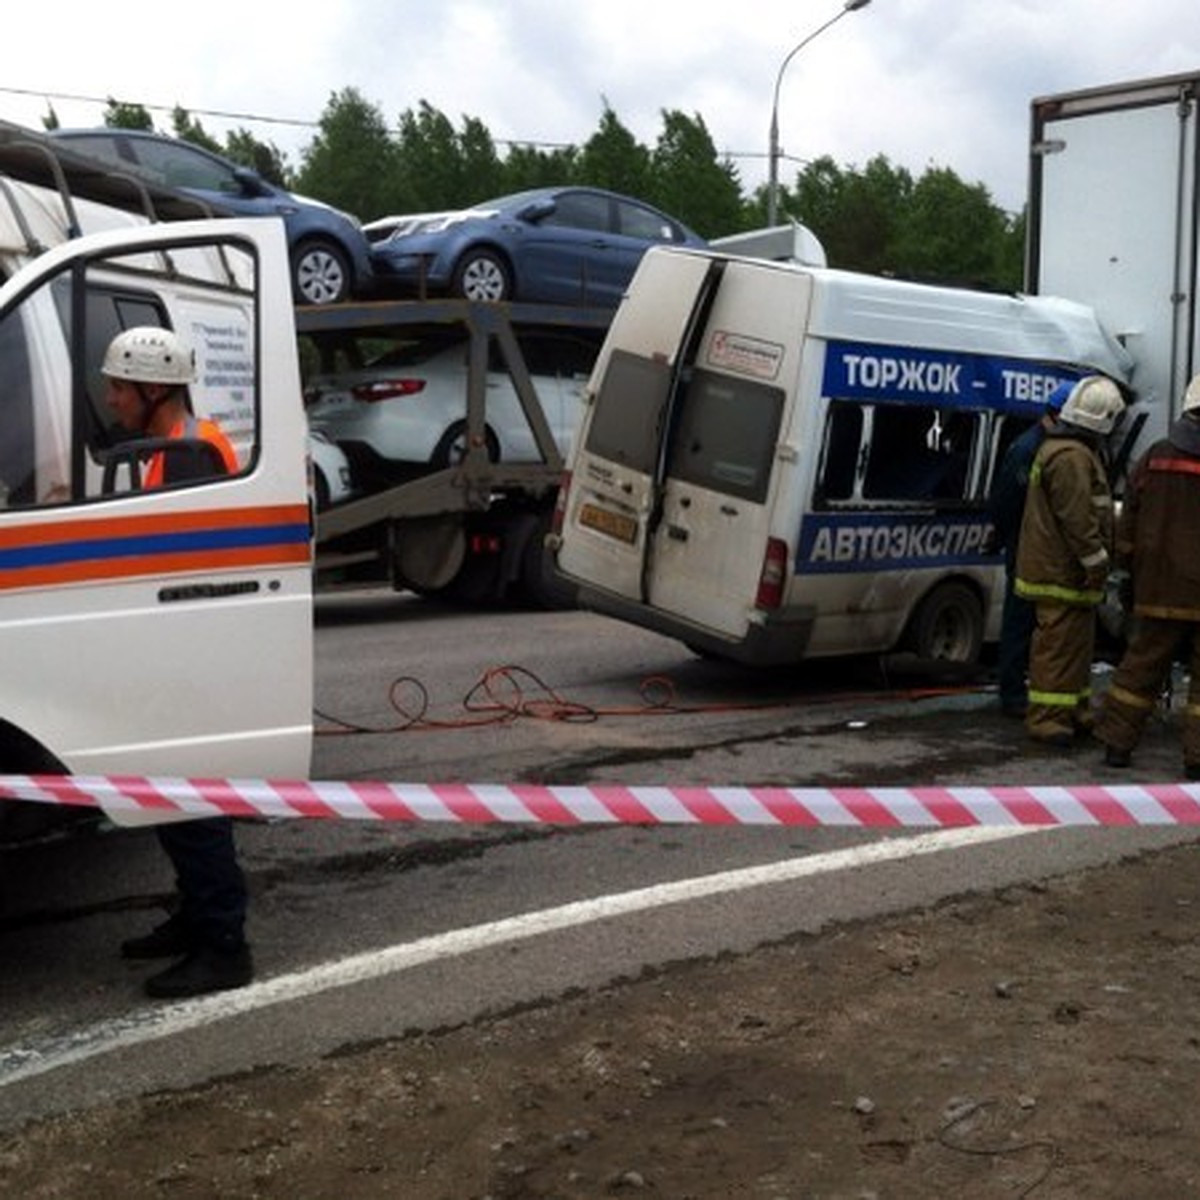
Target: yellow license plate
604,520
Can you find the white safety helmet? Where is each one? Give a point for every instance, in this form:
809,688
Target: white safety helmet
1191,398
149,354
1094,404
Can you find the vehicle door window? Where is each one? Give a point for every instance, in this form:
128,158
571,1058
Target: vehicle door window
840,451
179,167
59,432
920,453
726,435
581,210
628,414
637,222
1008,428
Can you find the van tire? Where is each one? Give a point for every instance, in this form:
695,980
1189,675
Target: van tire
540,584
947,626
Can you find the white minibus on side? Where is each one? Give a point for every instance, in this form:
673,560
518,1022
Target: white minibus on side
780,462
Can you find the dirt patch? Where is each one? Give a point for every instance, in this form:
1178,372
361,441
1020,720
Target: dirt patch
1043,1041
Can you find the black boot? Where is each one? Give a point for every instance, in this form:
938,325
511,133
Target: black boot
168,940
205,969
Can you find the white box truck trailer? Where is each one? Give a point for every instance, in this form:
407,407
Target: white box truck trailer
1114,202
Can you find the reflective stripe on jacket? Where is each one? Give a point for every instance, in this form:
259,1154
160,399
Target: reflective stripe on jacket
1067,526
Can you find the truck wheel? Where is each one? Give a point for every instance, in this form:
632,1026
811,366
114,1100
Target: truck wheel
428,553
947,626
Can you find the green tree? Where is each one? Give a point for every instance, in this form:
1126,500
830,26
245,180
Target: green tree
613,158
266,158
855,213
120,115
351,163
688,181
950,231
527,167
439,169
189,130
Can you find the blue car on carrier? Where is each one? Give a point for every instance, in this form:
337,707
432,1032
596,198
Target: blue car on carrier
328,249
562,245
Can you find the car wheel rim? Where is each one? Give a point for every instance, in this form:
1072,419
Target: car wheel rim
320,278
483,280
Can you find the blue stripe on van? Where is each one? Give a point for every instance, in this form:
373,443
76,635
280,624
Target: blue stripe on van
846,543
907,375
183,542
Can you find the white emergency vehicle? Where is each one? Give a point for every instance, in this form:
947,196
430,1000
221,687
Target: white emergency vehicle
147,632
779,462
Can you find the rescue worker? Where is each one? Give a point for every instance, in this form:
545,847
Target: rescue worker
147,371
1157,545
1063,558
1005,508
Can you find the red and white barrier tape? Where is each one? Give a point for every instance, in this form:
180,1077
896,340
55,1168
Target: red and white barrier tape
1090,804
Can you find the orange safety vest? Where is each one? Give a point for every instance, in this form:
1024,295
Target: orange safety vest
191,427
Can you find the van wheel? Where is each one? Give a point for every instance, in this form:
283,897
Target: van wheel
539,582
948,625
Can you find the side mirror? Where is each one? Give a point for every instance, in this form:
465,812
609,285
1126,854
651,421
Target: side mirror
538,210
251,182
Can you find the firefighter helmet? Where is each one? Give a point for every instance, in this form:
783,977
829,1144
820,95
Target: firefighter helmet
149,354
1094,404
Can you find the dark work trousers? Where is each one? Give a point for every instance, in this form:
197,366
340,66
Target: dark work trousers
1138,683
211,886
1060,670
1016,632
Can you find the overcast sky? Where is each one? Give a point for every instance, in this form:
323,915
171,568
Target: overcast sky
924,82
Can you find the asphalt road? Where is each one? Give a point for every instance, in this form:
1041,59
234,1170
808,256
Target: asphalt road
364,931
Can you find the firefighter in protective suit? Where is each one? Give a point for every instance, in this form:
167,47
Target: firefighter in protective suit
1157,543
1063,558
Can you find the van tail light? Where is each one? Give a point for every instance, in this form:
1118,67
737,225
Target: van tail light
773,575
560,505
386,389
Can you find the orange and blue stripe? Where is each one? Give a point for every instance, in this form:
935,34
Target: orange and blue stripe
46,553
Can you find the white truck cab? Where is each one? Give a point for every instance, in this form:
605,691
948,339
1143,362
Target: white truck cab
149,632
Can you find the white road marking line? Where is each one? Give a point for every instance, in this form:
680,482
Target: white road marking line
20,1062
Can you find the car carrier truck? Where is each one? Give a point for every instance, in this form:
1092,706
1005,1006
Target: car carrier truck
171,632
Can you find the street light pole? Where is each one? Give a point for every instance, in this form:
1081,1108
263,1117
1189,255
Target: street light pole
848,6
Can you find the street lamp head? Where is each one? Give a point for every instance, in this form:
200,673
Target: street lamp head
855,5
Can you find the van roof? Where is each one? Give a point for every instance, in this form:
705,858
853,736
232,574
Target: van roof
870,308
1040,328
